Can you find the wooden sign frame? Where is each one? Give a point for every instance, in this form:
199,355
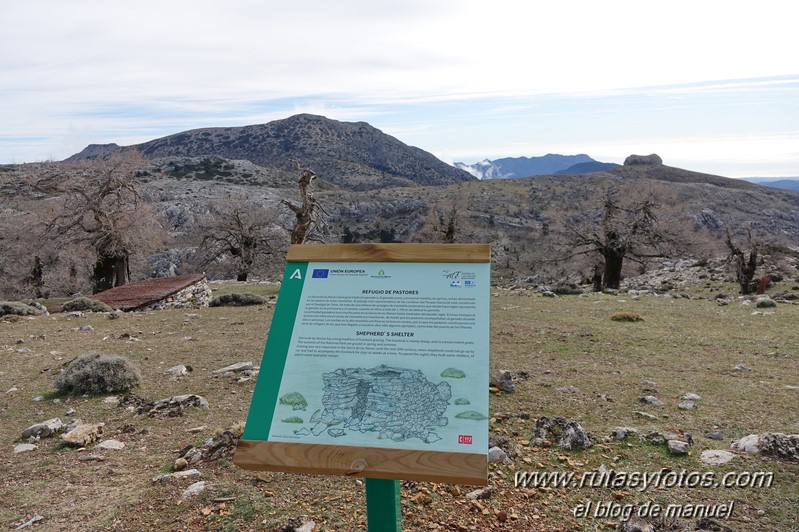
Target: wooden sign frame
254,452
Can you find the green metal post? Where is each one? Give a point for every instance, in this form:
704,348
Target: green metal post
383,506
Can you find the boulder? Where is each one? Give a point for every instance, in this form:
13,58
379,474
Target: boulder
43,429
503,381
639,160
567,432
83,435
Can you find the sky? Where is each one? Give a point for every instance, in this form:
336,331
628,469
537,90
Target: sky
710,86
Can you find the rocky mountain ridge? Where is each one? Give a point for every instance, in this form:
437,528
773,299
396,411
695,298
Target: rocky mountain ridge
352,155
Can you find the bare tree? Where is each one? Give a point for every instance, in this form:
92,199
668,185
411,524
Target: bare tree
627,230
244,231
743,266
309,213
100,206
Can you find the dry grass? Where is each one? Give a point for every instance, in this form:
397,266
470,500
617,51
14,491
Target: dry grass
682,346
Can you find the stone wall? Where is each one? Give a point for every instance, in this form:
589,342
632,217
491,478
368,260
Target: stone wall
193,296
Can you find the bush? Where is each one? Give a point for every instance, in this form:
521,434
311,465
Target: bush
626,316
95,374
237,300
85,304
18,309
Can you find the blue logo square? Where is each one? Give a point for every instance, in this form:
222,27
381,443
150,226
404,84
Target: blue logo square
320,274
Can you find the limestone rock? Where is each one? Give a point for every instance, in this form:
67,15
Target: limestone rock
194,490
175,405
687,405
110,444
239,366
43,429
189,473
748,444
503,381
83,435
24,447
715,457
688,396
481,494
495,454
651,400
567,432
677,447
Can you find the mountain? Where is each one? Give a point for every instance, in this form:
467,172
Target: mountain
587,168
352,155
788,183
513,167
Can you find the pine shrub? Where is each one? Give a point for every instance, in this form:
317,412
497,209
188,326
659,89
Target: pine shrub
95,374
237,300
18,309
86,305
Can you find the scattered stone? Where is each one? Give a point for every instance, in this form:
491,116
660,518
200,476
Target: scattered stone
651,400
44,429
32,521
548,293
194,490
747,444
24,448
180,464
302,523
714,436
179,371
715,457
220,446
688,396
175,405
687,405
503,381
480,494
86,328
495,454
197,429
83,434
567,389
239,366
790,387
191,473
568,433
621,433
72,424
646,415
779,445
111,400
677,447
110,444
503,442
70,411
741,367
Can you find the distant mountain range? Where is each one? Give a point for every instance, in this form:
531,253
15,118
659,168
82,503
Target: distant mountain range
550,164
788,183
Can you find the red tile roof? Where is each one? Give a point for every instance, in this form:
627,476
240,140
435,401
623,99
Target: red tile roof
142,293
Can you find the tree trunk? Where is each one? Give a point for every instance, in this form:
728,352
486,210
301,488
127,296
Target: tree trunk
614,260
111,271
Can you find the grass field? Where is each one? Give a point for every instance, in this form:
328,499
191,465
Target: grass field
602,368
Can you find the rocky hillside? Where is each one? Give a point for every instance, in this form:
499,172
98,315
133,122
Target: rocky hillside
351,155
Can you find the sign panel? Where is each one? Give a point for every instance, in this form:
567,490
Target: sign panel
376,355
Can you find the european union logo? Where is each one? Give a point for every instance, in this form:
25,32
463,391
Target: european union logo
320,274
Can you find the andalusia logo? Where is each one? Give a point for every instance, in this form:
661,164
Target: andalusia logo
381,275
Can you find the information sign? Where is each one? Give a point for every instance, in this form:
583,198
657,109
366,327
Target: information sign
376,365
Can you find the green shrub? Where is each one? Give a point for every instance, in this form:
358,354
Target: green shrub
85,304
95,374
18,309
237,300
